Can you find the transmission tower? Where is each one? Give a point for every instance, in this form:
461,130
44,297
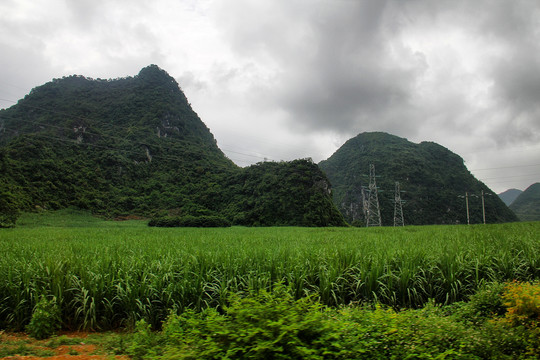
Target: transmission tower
398,208
365,201
373,217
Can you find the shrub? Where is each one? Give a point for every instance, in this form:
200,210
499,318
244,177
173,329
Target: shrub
484,304
8,220
144,343
261,326
9,209
45,319
204,221
190,221
273,325
521,323
523,303
165,221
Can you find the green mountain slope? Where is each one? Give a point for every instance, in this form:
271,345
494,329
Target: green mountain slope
129,146
284,193
527,204
509,196
431,177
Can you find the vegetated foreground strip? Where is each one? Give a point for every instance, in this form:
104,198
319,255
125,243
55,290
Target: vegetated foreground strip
109,277
74,346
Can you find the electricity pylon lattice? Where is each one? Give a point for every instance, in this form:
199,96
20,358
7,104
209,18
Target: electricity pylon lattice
398,208
373,217
365,201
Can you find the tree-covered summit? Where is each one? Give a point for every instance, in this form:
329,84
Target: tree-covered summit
131,146
433,179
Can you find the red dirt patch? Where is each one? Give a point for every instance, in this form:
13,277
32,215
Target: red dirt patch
22,347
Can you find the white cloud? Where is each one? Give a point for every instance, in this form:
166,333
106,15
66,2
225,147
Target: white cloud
286,79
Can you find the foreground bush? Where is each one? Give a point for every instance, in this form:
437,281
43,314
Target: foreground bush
523,303
261,326
190,221
274,325
45,319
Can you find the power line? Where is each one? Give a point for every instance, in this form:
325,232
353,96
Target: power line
104,135
223,149
513,176
75,142
239,153
482,195
263,157
86,119
505,167
505,181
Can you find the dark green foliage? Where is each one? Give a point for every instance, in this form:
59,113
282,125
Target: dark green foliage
283,193
12,197
262,325
9,211
134,146
432,178
144,343
272,325
45,319
189,221
165,221
527,204
486,303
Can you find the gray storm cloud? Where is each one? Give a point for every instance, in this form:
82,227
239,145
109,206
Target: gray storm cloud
350,67
311,73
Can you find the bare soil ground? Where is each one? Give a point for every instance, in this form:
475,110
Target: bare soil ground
66,346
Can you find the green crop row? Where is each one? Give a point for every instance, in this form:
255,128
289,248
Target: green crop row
106,277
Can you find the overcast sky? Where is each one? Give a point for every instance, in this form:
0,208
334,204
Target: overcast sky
286,79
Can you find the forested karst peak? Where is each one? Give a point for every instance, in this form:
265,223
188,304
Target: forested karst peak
153,75
134,146
433,179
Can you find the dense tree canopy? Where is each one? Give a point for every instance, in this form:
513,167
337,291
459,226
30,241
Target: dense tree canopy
134,146
434,182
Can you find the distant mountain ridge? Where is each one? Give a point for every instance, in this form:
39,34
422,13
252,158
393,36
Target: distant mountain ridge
134,146
434,182
509,196
527,204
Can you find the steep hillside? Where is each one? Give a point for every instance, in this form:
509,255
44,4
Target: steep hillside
116,147
129,146
434,182
284,193
510,195
527,204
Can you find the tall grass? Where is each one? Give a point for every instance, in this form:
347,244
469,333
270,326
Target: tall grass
110,276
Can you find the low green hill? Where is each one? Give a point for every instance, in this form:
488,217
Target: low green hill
527,204
434,182
134,146
509,196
